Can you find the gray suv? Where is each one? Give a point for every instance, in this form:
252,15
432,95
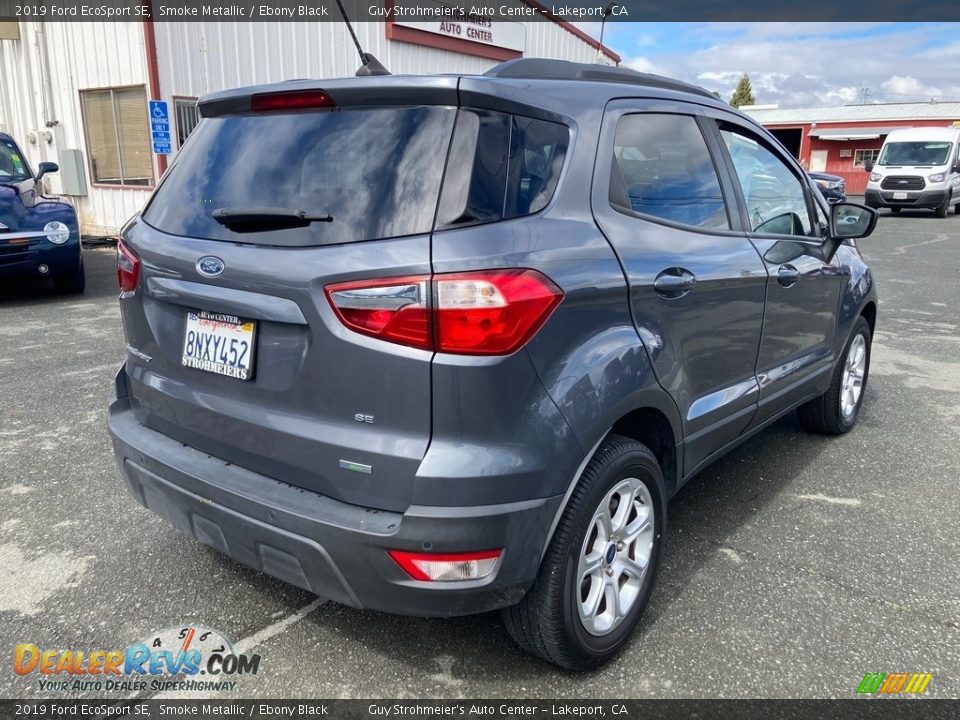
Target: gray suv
443,345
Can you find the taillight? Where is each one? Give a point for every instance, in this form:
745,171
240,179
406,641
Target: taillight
128,269
490,312
394,310
447,567
291,100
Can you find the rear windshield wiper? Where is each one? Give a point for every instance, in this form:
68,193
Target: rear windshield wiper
266,218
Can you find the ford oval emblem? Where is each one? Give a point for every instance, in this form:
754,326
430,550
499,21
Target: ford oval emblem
210,266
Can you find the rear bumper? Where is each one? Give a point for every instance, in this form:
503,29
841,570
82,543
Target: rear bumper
915,198
328,547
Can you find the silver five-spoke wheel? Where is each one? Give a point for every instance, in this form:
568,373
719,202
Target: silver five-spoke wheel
851,386
615,556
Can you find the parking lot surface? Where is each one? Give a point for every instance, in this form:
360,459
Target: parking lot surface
793,566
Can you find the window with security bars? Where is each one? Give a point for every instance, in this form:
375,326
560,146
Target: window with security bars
187,116
118,137
860,157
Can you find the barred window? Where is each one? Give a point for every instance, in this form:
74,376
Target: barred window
186,113
861,157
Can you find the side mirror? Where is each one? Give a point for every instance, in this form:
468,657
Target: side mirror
46,167
868,165
849,221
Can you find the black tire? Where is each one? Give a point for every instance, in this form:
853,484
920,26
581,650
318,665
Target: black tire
956,209
547,622
895,210
823,414
72,282
944,209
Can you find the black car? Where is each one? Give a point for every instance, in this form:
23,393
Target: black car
832,187
39,234
463,339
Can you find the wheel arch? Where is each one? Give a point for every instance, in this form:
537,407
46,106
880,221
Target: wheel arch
648,425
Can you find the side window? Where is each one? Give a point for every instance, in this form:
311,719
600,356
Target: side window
661,167
775,198
501,167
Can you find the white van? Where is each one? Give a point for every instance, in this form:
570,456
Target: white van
917,168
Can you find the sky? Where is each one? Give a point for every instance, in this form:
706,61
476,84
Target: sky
799,64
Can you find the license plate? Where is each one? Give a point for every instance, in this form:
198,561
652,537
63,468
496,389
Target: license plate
218,343
899,196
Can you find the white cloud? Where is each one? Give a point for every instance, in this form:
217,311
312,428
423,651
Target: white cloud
806,64
907,86
643,64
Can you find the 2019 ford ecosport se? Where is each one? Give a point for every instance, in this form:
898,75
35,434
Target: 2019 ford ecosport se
443,345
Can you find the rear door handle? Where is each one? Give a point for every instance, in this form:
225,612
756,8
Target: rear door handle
674,283
788,275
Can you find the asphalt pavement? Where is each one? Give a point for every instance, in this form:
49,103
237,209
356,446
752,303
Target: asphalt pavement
793,566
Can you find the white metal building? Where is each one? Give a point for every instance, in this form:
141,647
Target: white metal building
76,93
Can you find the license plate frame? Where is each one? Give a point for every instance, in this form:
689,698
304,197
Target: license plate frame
900,196
206,355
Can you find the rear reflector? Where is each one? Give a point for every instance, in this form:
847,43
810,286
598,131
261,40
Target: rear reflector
447,567
291,100
491,312
128,269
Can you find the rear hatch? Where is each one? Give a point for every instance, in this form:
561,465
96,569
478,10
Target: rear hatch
234,348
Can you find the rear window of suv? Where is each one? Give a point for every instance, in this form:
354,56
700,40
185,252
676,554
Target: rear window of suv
375,173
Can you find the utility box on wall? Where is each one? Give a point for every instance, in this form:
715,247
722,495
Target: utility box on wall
72,172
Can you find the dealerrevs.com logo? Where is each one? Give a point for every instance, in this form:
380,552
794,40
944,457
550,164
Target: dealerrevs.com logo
184,658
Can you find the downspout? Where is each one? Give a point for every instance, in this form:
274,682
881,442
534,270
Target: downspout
46,95
153,73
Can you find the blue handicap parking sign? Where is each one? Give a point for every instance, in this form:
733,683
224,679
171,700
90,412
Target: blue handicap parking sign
160,127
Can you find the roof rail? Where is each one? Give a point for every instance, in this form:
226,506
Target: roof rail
544,69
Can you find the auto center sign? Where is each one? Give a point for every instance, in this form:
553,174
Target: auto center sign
478,29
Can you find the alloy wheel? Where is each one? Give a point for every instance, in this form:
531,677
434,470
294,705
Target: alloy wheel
615,555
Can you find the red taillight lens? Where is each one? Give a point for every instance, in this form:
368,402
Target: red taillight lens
291,100
128,268
491,312
447,567
394,309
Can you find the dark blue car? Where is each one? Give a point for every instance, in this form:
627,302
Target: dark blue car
832,187
39,235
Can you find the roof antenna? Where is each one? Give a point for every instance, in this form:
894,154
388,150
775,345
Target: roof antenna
369,64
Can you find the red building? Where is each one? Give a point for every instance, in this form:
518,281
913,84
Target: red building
840,140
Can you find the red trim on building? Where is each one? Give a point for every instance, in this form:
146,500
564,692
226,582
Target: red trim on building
573,29
153,73
854,175
402,33
441,42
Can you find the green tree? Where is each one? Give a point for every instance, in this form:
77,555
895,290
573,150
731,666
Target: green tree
743,95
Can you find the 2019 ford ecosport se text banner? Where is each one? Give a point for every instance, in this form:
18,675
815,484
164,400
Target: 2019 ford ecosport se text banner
443,345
